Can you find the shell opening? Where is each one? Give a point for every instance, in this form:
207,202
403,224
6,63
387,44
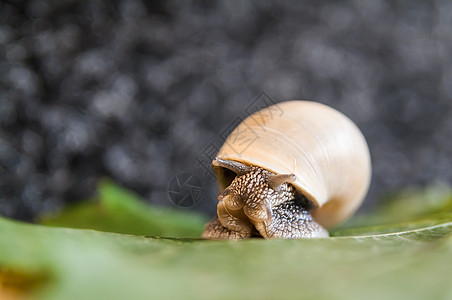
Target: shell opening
224,177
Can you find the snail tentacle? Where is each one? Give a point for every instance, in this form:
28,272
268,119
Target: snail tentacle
230,200
234,221
275,181
232,165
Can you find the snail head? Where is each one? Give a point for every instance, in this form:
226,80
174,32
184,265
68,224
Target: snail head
251,195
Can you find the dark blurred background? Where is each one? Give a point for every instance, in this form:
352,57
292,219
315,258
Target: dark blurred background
140,91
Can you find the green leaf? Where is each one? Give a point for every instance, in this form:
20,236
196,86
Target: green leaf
396,260
119,210
409,209
86,264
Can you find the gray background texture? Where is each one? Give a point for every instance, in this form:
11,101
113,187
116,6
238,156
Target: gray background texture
140,91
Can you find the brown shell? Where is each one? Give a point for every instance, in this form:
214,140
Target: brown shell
321,146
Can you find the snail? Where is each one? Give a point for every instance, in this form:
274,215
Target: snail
290,170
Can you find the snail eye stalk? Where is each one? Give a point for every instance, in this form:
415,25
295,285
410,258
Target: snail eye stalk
234,166
275,181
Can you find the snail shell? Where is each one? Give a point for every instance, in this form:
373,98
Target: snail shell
322,147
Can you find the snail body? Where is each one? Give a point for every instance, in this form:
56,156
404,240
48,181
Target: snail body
290,170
